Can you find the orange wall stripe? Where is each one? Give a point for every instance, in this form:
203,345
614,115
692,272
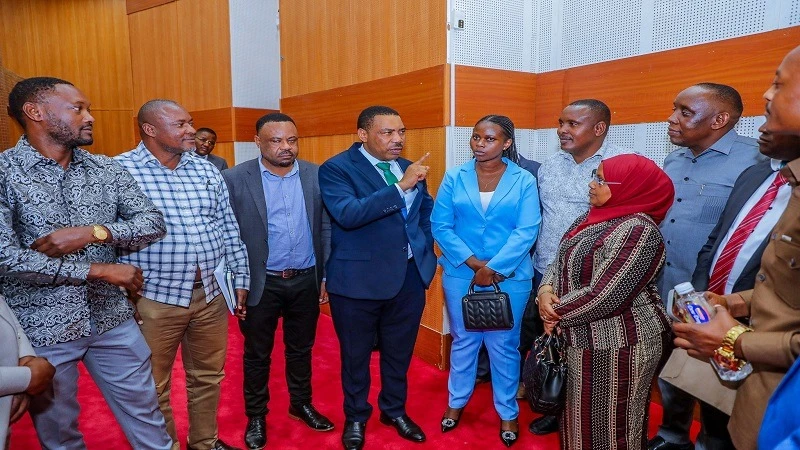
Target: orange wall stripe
418,96
482,91
642,88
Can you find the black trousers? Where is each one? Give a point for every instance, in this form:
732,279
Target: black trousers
396,323
297,301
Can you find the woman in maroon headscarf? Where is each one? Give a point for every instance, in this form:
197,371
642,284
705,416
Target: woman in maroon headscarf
601,292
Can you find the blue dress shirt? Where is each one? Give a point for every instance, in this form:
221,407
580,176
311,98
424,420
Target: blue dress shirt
288,230
702,186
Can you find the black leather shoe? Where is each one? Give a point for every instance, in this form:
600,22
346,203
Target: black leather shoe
658,443
509,437
311,417
544,425
220,445
255,435
450,423
405,427
353,435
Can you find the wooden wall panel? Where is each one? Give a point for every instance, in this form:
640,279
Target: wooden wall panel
178,54
46,38
225,150
642,88
220,120
244,120
331,43
419,97
481,91
112,132
133,6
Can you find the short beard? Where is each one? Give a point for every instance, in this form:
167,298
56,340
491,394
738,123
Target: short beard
61,133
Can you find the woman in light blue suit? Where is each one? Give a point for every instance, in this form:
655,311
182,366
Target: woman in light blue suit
485,219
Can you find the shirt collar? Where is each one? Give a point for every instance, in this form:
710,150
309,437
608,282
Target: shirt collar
141,154
28,157
598,154
776,164
373,160
264,171
723,145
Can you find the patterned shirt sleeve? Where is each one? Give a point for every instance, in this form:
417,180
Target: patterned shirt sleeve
630,260
139,222
30,265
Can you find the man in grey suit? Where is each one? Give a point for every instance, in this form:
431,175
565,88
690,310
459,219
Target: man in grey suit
277,202
205,139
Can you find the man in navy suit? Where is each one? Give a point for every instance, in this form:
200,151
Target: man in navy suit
381,262
748,189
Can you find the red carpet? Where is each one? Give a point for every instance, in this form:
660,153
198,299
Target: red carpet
426,403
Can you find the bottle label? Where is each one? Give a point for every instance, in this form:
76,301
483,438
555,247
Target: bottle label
698,313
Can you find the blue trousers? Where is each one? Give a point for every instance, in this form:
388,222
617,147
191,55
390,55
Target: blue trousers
502,346
119,362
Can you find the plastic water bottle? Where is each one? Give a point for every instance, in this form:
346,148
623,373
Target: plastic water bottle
692,307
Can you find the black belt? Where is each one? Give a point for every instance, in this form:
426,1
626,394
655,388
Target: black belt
288,273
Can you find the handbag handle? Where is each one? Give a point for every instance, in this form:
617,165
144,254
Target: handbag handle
494,284
556,341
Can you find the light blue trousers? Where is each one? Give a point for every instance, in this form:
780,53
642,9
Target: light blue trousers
502,346
119,362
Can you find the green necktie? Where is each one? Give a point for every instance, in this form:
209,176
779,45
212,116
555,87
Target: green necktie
390,178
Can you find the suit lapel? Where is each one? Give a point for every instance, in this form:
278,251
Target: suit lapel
362,165
256,188
507,181
756,178
308,194
469,178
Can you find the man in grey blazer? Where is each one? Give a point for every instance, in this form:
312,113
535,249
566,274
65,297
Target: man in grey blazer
205,139
277,202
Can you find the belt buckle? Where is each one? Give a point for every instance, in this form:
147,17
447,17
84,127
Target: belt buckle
287,273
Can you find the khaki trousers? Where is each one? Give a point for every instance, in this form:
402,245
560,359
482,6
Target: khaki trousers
202,332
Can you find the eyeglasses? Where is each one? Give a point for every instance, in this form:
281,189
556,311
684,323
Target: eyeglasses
208,142
600,181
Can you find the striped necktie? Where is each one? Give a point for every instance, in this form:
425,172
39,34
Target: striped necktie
719,276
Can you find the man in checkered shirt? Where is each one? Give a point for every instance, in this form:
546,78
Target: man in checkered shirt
180,302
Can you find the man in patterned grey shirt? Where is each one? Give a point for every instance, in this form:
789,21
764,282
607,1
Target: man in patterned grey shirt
63,211
563,188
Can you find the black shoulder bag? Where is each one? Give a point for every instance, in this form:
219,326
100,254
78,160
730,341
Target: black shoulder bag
545,374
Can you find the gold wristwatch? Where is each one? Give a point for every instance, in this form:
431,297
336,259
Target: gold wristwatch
724,355
99,232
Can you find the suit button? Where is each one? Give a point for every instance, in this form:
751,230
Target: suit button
761,277
405,249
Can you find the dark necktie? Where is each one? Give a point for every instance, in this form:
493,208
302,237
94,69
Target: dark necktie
387,173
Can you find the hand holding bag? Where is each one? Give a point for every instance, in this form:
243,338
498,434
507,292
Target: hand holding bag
545,374
486,310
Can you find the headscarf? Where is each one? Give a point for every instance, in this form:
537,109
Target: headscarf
643,188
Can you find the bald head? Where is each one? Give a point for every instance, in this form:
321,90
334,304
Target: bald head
783,97
166,127
152,109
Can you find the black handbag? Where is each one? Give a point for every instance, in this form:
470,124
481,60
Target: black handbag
487,310
544,374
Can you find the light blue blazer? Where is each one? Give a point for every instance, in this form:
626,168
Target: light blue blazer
503,235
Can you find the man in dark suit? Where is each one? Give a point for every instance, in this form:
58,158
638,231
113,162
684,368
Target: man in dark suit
381,262
277,202
205,139
751,185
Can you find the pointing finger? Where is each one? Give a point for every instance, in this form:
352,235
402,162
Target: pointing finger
424,157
